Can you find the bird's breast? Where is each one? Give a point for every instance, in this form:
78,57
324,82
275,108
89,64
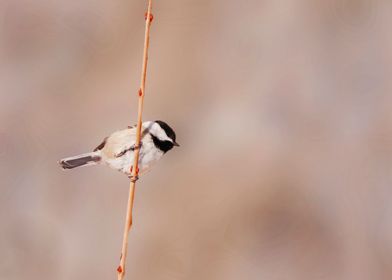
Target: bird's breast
148,156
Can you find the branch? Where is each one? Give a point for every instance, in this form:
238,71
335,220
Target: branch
135,169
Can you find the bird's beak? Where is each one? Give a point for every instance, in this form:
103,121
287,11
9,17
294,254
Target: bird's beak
176,144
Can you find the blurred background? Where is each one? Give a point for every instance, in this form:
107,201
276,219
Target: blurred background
283,113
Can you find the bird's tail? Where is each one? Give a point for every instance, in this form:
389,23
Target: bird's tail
80,160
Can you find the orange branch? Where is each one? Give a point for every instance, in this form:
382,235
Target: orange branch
135,169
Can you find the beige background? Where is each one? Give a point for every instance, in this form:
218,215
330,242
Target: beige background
283,113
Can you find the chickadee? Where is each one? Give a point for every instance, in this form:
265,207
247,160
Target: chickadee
117,150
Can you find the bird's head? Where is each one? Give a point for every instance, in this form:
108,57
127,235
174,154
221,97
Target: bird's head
163,135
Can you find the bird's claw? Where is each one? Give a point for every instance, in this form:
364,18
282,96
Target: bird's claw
136,147
133,179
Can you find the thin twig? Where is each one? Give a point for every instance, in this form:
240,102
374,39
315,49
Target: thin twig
135,169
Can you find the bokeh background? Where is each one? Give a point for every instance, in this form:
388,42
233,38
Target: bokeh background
283,112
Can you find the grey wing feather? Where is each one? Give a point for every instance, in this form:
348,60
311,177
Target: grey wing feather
131,146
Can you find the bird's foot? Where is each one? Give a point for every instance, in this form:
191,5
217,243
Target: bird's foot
133,179
136,147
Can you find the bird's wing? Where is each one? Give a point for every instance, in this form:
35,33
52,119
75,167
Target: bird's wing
120,142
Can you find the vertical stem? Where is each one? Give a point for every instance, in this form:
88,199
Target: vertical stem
135,169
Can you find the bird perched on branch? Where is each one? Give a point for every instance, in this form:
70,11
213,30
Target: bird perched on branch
117,150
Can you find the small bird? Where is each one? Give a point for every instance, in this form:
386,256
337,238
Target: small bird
117,150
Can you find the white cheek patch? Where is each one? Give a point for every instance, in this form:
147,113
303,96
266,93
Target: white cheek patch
158,132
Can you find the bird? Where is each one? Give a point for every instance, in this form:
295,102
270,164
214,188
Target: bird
117,150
